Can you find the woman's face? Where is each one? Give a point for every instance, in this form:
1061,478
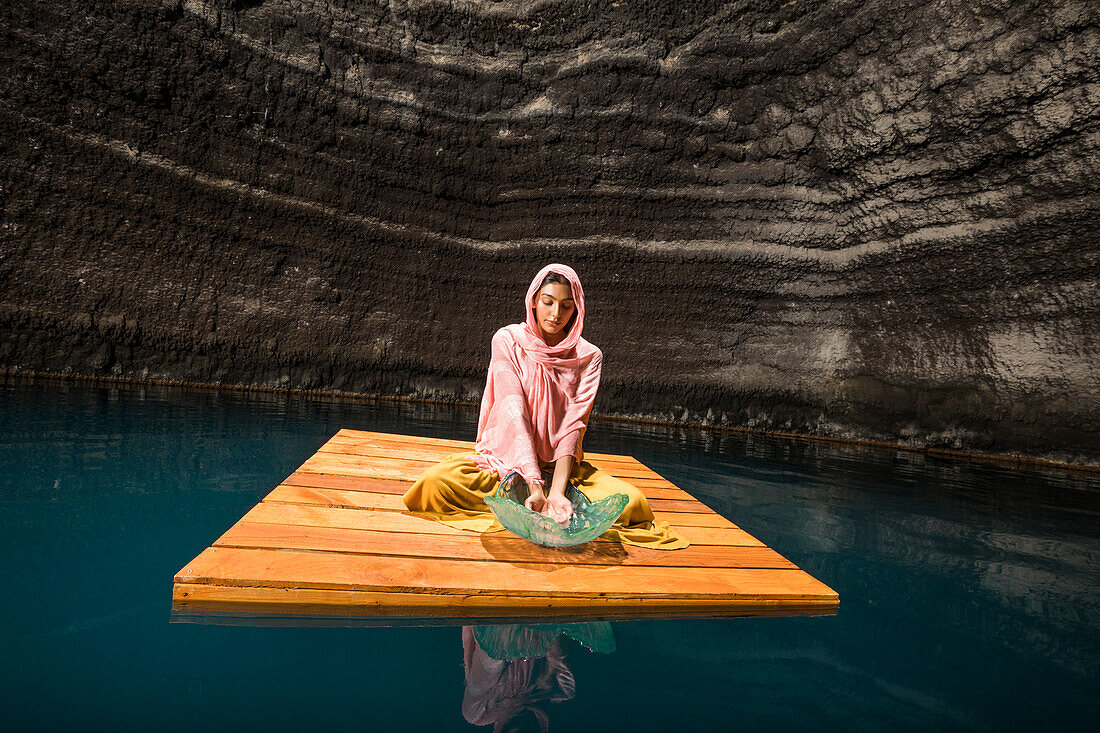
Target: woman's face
553,308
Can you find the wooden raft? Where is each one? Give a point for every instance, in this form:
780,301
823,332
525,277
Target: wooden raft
334,539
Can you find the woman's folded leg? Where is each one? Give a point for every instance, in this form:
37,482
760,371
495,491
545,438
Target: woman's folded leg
453,492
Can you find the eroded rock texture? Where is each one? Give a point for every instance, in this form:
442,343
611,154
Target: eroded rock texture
874,219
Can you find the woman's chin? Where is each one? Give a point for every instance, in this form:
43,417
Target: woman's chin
552,338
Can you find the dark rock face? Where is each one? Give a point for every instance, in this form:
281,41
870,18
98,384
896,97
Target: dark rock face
870,219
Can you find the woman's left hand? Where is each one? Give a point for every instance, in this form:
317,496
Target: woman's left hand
558,508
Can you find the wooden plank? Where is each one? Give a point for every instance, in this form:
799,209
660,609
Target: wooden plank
653,482
384,451
322,516
337,497
501,547
350,466
691,507
389,521
692,519
418,440
308,601
349,483
294,569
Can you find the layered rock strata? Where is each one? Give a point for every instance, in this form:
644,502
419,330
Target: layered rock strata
872,219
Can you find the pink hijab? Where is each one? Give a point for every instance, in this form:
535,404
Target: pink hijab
537,397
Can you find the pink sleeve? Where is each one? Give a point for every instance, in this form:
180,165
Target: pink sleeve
571,443
510,410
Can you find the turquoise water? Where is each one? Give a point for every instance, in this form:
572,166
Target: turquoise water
969,594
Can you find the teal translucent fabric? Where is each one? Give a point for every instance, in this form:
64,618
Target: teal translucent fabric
527,641
590,519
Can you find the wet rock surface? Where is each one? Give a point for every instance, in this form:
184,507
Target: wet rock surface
862,219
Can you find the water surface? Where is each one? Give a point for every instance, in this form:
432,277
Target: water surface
968,592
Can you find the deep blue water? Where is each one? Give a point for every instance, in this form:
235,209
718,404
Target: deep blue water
969,593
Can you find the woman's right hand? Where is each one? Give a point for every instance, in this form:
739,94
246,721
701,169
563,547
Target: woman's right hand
536,501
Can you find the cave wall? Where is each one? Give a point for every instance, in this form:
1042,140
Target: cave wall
867,219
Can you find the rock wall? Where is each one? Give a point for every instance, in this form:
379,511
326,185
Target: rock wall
871,219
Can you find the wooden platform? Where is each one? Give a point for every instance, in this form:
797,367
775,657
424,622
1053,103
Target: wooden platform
334,539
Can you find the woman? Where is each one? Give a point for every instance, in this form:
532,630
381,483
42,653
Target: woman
538,396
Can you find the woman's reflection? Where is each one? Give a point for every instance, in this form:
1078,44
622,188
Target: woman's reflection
513,673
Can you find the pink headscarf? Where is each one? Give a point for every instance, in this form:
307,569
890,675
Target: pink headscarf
537,397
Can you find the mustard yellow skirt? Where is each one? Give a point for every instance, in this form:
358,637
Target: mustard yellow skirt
453,492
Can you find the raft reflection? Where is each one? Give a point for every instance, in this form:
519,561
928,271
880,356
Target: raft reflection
513,673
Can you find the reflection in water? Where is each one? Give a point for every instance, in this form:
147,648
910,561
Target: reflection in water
514,672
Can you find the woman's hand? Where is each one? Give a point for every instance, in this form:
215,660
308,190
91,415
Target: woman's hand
558,508
555,506
536,501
